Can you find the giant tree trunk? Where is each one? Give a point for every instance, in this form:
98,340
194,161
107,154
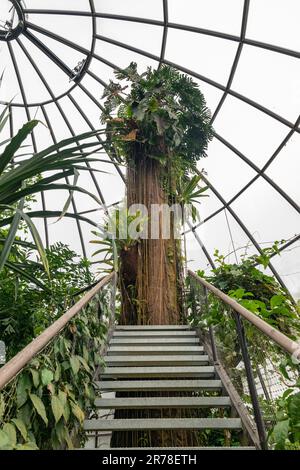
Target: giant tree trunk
154,270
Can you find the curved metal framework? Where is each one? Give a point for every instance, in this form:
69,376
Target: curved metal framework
29,29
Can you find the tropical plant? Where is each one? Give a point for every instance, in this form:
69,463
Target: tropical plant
255,290
44,406
159,127
21,179
26,309
286,433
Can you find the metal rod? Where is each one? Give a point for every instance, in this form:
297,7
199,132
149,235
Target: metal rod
211,331
251,382
18,362
247,232
182,27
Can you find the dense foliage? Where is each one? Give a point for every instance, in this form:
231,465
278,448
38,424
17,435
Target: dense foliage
162,106
26,309
263,296
44,407
258,292
161,115
21,179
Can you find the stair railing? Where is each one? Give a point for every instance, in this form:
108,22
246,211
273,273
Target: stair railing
20,360
61,363
250,330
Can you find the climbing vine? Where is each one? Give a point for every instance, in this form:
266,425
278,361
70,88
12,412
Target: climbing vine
249,285
44,407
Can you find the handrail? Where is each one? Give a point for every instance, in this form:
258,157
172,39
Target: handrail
279,338
20,360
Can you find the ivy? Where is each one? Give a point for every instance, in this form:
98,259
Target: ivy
45,406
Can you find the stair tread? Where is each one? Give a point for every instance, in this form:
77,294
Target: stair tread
157,349
148,385
161,423
149,333
162,402
153,341
156,360
151,327
154,371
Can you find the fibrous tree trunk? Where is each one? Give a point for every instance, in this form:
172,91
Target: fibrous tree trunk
150,271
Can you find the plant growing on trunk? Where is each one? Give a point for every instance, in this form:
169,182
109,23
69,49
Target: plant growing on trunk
158,125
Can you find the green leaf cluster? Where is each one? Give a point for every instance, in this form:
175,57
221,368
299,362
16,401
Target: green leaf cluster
45,406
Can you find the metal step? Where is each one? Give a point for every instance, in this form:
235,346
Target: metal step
151,327
161,424
158,349
153,341
153,333
162,402
159,385
152,360
164,372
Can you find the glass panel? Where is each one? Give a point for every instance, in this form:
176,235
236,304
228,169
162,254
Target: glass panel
251,131
285,168
275,81
264,210
275,22
226,171
288,264
122,57
151,9
74,28
216,15
206,55
59,5
195,255
142,36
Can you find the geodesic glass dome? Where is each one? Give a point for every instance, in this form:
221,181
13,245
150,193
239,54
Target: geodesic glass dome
57,56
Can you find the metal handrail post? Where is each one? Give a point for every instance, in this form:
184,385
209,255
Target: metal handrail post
211,331
251,382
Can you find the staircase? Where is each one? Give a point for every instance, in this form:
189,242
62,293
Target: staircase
166,358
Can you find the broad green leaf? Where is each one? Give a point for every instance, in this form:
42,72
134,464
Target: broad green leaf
66,412
75,364
35,377
280,433
84,363
27,446
11,236
4,441
57,408
47,376
57,373
16,143
61,432
10,430
77,411
294,408
39,406
20,425
23,387
2,407
37,239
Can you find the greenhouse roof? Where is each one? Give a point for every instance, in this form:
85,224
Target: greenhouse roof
58,55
